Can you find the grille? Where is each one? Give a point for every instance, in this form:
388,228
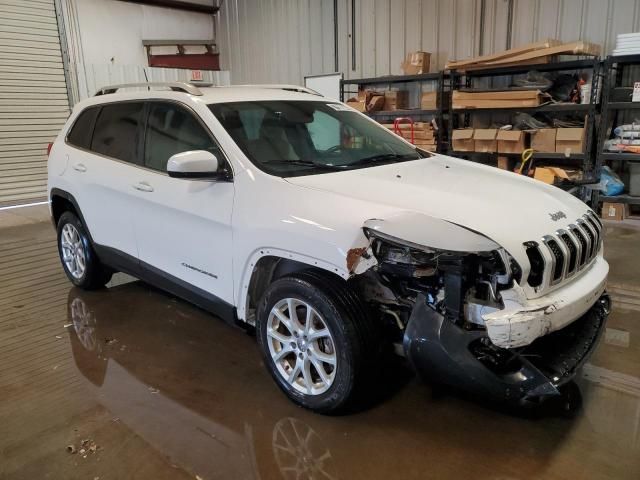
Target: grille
571,249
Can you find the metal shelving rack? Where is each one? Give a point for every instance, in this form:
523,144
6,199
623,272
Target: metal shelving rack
615,67
461,117
416,114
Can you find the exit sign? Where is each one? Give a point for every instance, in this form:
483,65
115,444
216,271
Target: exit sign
196,75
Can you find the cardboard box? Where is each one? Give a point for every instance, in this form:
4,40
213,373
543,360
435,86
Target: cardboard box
614,211
570,140
543,140
485,139
429,101
416,63
360,106
462,140
375,103
396,100
358,102
505,163
499,99
550,174
511,141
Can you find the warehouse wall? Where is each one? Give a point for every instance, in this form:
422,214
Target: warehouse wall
266,40
110,31
275,41
94,62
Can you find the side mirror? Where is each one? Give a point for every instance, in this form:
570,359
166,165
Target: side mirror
193,164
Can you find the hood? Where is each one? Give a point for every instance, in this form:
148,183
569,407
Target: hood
505,207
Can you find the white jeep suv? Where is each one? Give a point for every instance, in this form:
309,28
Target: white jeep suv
337,239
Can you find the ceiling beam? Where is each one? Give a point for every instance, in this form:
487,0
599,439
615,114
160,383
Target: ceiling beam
179,5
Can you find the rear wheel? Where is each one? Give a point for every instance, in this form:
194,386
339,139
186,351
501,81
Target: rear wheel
79,260
314,340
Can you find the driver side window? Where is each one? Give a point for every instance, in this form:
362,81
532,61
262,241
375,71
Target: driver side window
324,131
172,129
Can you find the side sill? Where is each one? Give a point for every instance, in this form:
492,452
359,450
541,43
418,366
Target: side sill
126,263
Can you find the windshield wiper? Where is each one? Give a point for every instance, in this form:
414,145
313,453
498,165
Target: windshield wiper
298,163
385,157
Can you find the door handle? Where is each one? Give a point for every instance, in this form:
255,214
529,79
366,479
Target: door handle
79,167
143,187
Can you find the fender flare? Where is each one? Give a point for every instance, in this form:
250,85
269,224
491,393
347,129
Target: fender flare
57,192
259,253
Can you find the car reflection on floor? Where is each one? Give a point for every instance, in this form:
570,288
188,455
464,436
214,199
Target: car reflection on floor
102,349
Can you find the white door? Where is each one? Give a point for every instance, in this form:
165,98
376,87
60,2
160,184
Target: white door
182,226
103,168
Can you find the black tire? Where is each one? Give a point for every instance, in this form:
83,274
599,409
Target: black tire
95,274
353,336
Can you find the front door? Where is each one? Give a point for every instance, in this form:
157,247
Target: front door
182,226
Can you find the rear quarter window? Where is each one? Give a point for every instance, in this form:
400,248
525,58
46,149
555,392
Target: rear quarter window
82,129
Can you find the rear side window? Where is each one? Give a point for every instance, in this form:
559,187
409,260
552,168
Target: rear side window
80,134
172,129
117,131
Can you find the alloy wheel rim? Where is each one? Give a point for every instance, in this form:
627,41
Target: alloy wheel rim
301,346
84,323
73,254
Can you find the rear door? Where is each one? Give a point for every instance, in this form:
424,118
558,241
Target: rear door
103,170
183,226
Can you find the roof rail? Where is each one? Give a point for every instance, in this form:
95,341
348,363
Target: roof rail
175,86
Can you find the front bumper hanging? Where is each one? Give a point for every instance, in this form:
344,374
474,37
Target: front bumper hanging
467,359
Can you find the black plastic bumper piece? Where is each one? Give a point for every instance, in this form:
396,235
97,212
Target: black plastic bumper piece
444,352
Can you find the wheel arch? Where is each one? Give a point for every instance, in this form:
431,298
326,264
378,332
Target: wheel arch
62,201
268,264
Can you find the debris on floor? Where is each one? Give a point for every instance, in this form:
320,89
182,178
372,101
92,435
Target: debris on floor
87,446
153,390
110,341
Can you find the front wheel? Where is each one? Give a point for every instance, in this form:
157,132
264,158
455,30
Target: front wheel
314,339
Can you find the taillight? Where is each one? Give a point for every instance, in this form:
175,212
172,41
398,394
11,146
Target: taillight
49,148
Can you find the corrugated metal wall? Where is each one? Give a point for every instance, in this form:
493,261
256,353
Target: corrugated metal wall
284,40
275,41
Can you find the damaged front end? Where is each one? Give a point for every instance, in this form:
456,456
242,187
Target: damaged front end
437,301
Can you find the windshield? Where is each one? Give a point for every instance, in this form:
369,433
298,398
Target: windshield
291,138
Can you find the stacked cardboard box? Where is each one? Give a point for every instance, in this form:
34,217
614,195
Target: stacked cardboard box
373,101
552,175
485,140
499,99
424,136
543,140
558,140
511,141
367,101
462,140
429,101
614,211
396,100
570,140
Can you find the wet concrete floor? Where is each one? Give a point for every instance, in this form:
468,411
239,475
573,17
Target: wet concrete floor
158,389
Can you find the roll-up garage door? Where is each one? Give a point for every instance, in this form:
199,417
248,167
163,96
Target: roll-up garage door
33,96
